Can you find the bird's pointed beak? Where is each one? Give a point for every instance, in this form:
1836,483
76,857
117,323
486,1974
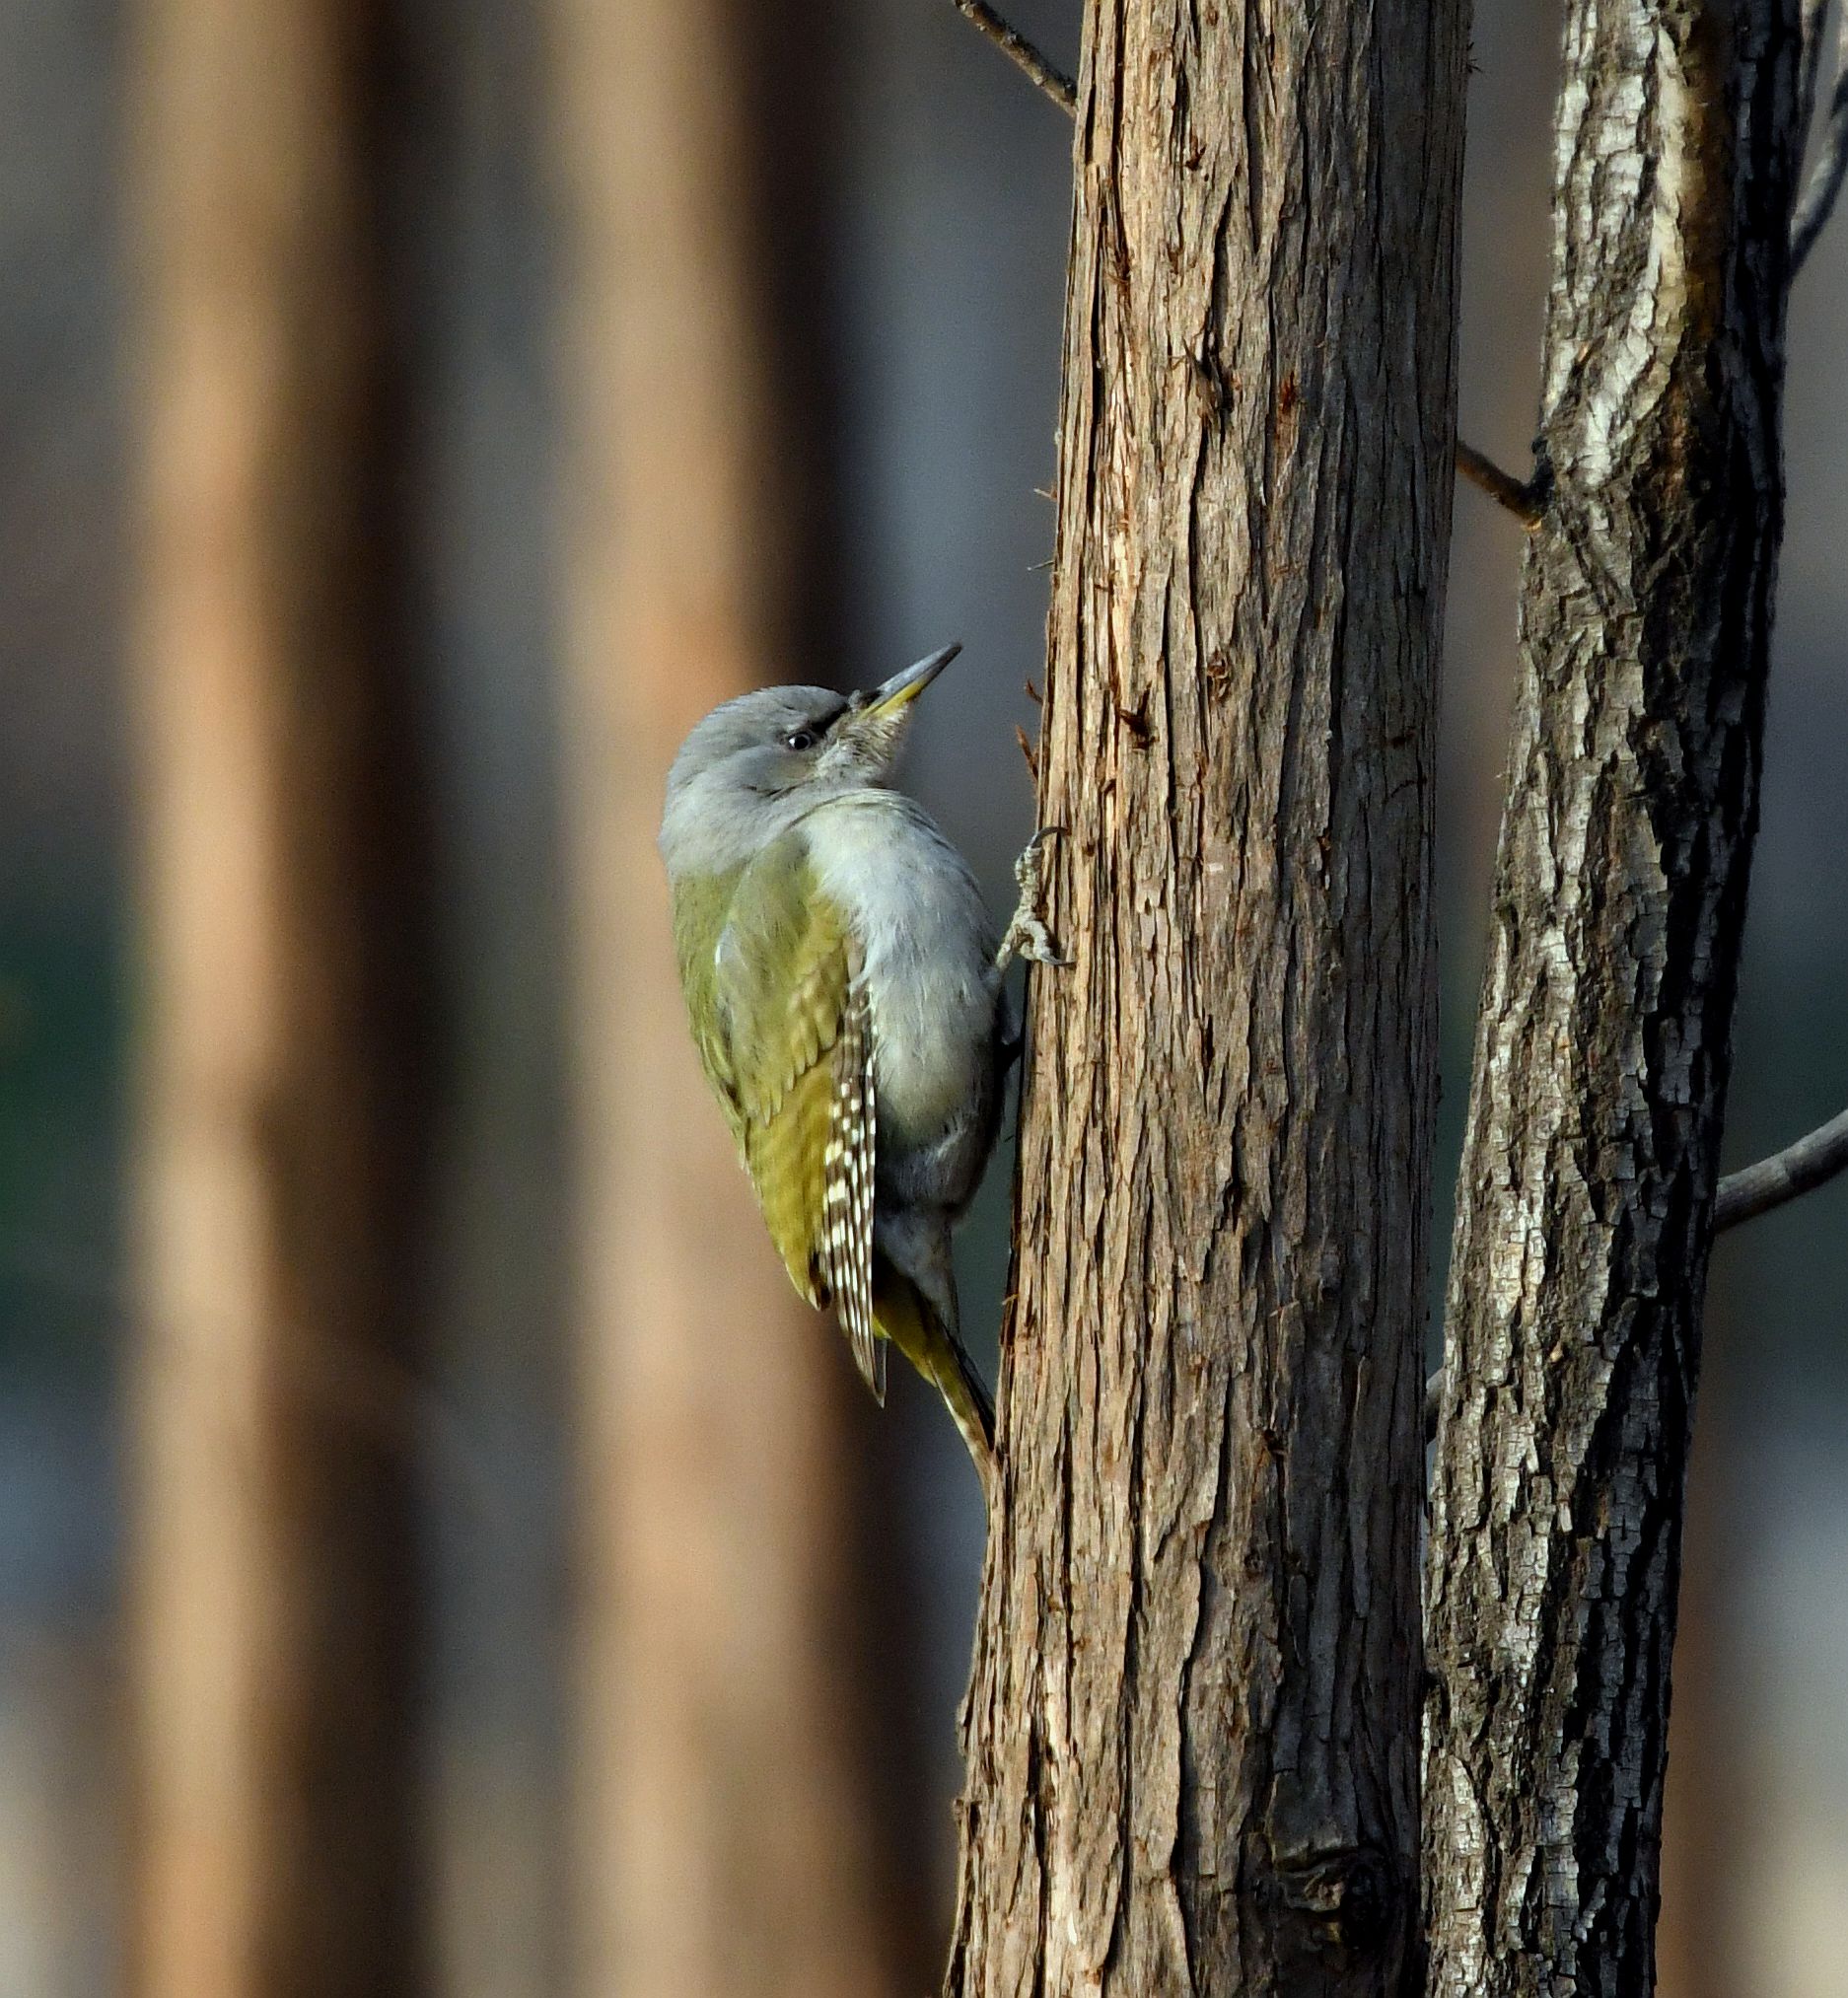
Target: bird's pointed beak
897,694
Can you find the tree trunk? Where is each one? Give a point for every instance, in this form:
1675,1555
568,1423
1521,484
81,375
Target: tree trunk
1603,1046
727,1819
282,1101
1192,1727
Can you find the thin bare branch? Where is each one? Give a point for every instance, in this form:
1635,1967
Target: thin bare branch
1796,1169
1015,46
1832,166
1522,500
1744,1195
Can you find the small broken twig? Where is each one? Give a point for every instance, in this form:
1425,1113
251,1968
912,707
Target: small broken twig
1796,1169
1015,46
1521,500
1831,167
1811,15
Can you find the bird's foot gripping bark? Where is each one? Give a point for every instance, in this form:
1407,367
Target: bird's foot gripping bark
1027,937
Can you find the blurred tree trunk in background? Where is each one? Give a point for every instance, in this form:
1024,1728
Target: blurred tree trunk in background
730,1824
1193,1724
283,1100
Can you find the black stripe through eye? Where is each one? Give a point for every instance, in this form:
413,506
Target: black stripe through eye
806,738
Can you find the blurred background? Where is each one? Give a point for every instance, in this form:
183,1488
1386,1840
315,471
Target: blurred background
435,1554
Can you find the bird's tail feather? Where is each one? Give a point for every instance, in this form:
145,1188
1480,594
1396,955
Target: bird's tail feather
902,1315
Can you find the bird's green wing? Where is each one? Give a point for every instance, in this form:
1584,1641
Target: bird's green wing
793,1059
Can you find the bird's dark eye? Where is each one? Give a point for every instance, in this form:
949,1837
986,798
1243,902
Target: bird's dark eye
799,739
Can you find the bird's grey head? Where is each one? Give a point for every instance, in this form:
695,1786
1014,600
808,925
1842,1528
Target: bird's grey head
755,764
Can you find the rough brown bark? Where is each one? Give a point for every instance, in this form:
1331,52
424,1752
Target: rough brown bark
1192,1727
729,1823
282,1101
1603,1048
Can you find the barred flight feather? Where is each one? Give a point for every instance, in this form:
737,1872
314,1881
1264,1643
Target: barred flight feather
848,1175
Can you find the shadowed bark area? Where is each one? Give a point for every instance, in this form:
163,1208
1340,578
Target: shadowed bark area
1603,1048
1192,1724
284,1088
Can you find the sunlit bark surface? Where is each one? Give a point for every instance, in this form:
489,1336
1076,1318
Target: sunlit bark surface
1193,1734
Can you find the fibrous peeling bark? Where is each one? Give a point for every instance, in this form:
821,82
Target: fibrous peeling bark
1603,1049
1193,1724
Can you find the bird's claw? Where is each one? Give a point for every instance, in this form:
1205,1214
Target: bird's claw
1027,936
